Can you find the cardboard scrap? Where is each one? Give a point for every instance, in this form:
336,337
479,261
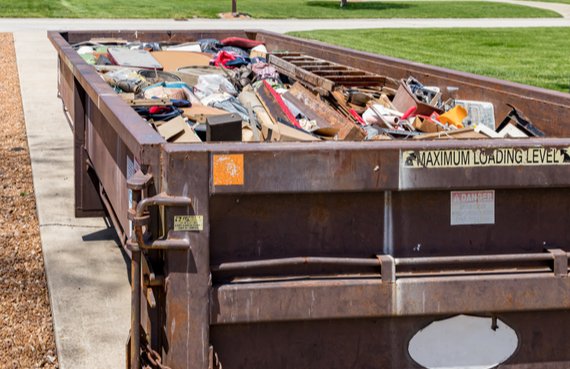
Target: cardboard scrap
172,60
424,124
199,113
177,130
405,99
172,128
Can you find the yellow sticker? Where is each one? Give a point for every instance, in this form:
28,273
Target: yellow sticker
187,223
227,170
499,157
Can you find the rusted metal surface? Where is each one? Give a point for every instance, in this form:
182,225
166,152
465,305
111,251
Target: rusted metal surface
328,254
366,343
329,298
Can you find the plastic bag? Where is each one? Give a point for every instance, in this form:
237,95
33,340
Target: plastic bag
209,84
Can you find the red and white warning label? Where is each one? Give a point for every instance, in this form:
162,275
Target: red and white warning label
472,207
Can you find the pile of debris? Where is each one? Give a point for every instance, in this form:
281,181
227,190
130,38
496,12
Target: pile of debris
234,90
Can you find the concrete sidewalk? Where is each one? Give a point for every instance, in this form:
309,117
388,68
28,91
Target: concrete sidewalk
86,272
276,25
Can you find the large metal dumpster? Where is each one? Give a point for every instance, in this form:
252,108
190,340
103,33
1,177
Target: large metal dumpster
328,254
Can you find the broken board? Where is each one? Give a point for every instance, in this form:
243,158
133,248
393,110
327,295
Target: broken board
347,130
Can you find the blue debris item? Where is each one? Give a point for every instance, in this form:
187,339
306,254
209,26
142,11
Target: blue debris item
210,45
238,62
236,51
179,103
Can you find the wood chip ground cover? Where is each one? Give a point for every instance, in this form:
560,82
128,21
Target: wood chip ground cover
26,331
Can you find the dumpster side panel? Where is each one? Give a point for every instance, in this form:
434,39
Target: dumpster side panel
256,227
376,343
65,87
109,156
87,201
422,224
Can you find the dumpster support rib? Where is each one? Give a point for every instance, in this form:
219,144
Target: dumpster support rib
137,244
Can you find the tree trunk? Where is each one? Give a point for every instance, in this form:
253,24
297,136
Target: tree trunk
343,3
234,6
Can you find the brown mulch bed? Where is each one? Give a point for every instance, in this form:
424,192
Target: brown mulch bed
26,330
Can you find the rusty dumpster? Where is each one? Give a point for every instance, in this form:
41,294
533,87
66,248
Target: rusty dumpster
330,254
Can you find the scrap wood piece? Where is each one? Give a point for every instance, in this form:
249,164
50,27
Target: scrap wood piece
324,128
272,131
347,130
148,102
275,105
462,133
323,75
345,108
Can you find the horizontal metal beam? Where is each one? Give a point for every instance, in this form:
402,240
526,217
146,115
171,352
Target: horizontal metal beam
372,298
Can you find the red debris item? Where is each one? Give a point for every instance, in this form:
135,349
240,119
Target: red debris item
357,117
244,43
159,109
411,111
223,57
282,105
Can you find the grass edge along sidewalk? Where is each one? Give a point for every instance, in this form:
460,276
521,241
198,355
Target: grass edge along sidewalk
269,9
533,56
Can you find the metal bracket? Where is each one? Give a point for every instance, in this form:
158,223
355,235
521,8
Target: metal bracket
388,268
560,264
139,181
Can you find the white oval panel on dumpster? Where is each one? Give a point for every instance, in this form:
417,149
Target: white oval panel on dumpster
463,342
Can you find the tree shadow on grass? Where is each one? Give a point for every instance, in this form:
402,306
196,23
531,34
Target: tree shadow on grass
562,85
366,5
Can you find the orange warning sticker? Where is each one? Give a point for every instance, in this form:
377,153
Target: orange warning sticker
227,170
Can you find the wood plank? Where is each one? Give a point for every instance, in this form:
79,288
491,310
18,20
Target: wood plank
347,130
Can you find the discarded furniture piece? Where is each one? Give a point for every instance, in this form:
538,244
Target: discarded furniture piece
332,254
323,75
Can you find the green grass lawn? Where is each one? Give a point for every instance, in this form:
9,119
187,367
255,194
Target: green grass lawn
534,56
265,9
